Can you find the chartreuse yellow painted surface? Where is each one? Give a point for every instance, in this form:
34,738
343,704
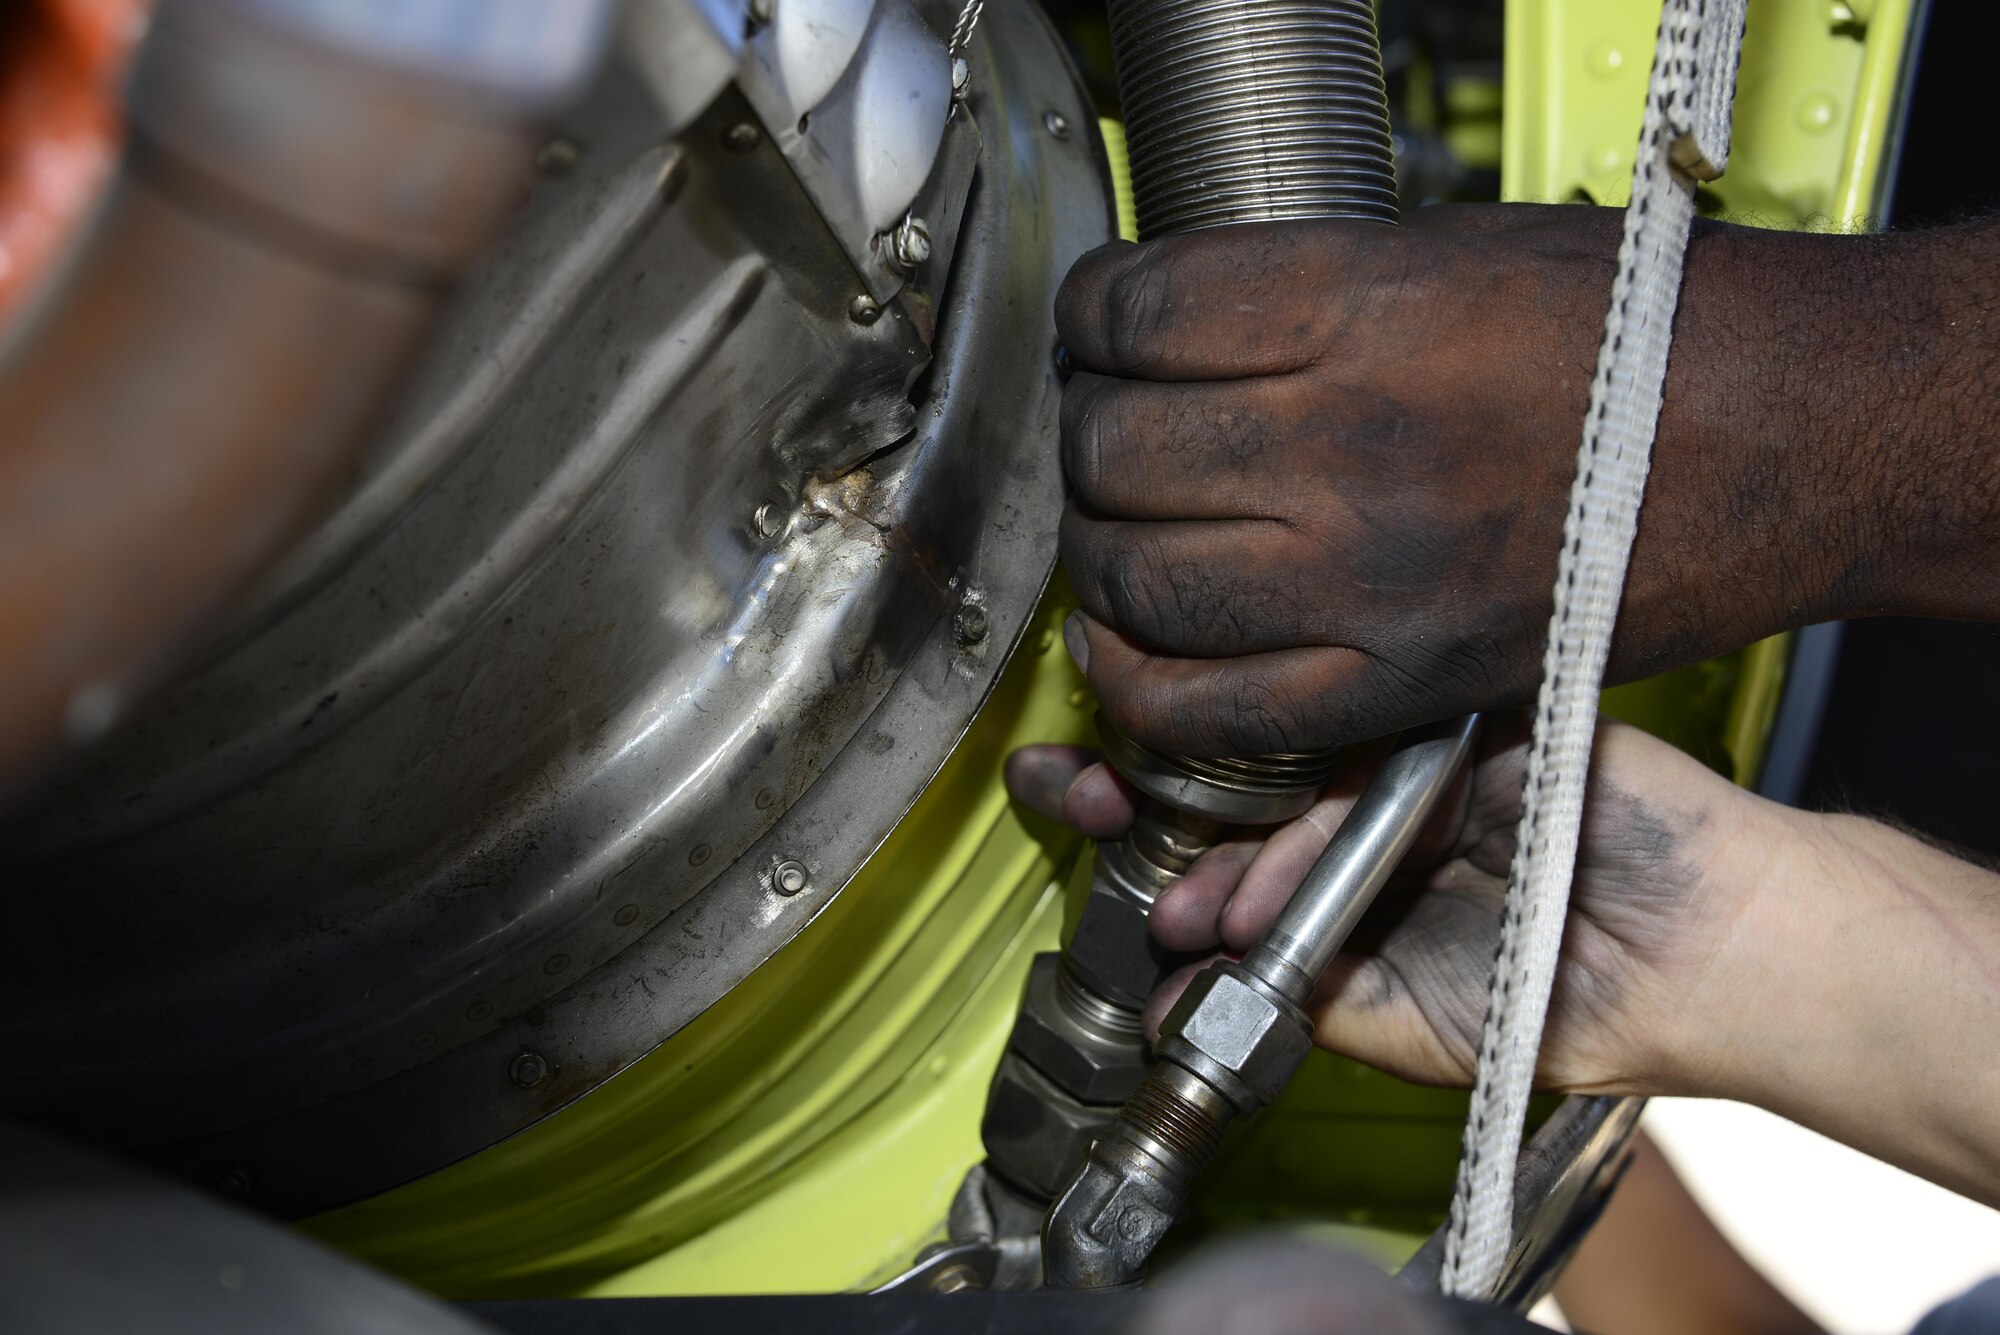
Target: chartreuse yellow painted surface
807,1132
1819,95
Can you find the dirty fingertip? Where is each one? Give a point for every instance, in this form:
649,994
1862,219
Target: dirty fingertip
1098,803
1076,642
1039,777
1186,915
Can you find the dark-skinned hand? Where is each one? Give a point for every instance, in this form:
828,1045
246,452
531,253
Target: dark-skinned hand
1319,470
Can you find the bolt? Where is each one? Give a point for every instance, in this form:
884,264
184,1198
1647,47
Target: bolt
911,243
1056,123
790,877
864,310
529,1069
969,626
766,521
961,78
741,137
956,1278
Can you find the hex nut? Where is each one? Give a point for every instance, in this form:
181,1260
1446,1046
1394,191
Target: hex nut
1036,1135
1111,949
1224,1026
1078,1056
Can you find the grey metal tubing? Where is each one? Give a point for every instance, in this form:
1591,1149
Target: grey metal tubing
1249,110
1358,861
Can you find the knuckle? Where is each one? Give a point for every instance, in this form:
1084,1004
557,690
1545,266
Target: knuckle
1138,311
1095,439
1144,592
1262,718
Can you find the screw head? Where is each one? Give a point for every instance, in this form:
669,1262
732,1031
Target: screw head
1056,124
790,877
741,137
969,625
529,1069
864,309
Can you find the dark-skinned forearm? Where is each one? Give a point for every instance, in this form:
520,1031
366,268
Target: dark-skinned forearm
1830,442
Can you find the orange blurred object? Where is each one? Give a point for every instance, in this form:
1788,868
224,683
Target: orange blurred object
60,66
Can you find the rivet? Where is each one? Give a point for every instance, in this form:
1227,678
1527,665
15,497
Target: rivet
558,157
1056,124
767,520
1605,60
1816,113
790,877
969,625
529,1069
864,310
234,1182
741,137
422,1040
766,799
1065,366
626,916
555,964
478,1010
363,1065
699,854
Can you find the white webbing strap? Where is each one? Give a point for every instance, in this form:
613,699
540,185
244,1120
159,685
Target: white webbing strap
1685,133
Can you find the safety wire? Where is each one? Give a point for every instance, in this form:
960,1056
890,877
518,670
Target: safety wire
1684,135
968,19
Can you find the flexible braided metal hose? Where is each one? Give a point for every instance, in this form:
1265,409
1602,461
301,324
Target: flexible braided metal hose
1250,110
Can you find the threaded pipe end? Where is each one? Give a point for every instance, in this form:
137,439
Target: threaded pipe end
1179,1132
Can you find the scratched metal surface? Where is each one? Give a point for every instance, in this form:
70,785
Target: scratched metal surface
651,584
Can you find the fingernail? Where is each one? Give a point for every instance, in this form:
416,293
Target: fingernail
1074,641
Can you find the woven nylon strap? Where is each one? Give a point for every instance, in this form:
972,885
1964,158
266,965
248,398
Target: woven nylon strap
1685,134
